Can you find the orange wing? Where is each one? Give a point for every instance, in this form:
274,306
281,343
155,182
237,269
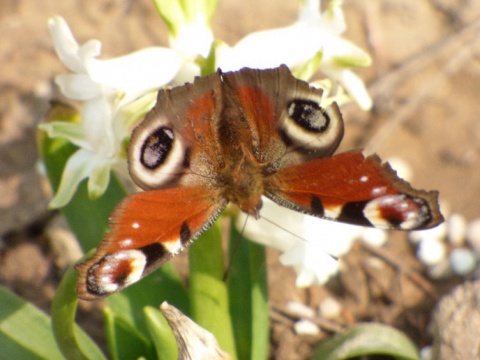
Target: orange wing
147,229
351,188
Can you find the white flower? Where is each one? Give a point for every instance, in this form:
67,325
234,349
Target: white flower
309,244
313,36
189,32
105,87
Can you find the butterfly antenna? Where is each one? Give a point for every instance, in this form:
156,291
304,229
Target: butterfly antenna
291,233
235,250
284,229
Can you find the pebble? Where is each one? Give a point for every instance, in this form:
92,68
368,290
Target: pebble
456,229
426,353
431,251
306,327
300,310
463,261
330,308
473,234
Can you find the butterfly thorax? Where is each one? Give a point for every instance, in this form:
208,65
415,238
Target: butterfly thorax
243,183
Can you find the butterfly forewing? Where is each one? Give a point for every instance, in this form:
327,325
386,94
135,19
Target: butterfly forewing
147,229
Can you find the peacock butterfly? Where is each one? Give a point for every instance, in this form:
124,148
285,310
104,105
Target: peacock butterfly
233,137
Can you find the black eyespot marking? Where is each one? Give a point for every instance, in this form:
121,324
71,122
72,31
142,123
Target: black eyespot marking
153,252
185,234
309,115
156,148
317,206
352,213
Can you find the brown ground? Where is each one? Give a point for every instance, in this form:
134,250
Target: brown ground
425,83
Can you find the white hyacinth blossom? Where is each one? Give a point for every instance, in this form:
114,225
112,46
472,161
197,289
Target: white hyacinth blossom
105,88
309,244
314,35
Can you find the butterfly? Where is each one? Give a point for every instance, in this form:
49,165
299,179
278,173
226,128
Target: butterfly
232,138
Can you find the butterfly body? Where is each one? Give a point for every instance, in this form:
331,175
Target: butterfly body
232,138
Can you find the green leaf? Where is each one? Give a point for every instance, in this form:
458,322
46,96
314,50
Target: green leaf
25,331
73,342
208,292
161,334
247,284
124,340
368,339
208,65
178,13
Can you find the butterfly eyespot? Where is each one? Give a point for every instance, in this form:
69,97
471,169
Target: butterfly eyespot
156,148
308,114
308,127
156,154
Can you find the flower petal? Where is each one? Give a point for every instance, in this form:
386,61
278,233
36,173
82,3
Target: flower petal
276,46
67,47
193,39
278,227
334,238
77,168
78,86
311,262
97,125
353,85
138,72
70,131
99,179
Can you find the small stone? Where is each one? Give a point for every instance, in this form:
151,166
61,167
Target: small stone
300,310
473,234
463,261
456,229
431,251
330,308
306,327
426,353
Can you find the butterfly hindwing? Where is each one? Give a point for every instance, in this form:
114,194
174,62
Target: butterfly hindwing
354,189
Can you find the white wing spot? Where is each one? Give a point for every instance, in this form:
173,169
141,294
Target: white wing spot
364,178
378,190
126,242
136,225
